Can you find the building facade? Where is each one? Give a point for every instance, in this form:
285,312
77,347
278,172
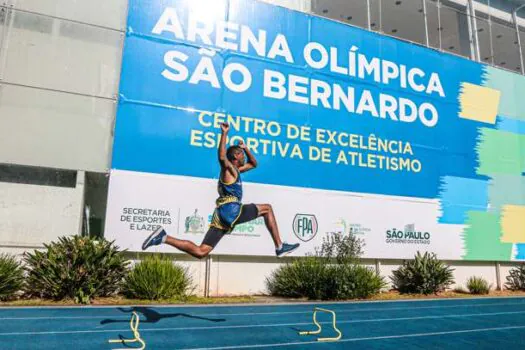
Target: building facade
60,65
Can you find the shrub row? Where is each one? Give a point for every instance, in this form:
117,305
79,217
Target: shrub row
315,279
333,273
82,268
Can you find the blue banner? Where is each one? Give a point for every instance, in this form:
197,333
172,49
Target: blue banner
322,104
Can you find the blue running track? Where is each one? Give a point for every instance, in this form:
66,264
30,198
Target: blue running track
485,323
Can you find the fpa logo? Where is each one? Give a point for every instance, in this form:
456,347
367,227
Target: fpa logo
305,226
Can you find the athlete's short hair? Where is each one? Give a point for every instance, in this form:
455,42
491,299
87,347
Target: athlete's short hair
232,151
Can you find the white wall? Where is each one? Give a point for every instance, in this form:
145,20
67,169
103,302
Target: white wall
464,270
31,215
240,275
197,269
246,276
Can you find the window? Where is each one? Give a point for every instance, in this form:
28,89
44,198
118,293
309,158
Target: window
20,174
77,57
353,12
484,31
454,29
434,24
95,202
376,15
505,43
394,19
448,27
55,129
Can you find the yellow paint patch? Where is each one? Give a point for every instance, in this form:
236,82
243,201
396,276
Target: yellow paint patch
479,103
513,224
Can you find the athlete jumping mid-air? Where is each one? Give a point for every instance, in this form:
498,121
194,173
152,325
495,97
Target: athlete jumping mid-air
229,210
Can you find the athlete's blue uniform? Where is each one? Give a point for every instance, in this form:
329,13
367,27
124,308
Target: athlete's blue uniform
229,204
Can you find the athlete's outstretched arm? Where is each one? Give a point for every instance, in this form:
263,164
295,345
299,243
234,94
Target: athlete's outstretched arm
223,160
228,172
252,162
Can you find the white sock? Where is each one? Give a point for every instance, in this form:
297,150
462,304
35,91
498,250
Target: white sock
164,238
280,247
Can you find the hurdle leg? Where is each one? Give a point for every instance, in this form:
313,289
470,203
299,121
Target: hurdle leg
316,323
134,325
319,328
339,334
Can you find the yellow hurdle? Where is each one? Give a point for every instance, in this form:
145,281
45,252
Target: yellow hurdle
134,325
319,326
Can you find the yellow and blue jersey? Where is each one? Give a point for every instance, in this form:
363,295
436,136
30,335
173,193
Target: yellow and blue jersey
230,191
228,204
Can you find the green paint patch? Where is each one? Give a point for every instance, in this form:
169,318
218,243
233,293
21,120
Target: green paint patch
482,238
506,189
512,88
500,152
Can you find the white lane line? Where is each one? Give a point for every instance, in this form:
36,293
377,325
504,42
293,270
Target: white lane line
268,313
363,339
265,325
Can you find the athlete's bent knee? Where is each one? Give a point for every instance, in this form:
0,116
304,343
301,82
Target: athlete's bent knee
202,252
264,209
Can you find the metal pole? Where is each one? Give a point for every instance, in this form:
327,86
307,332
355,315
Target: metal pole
426,22
368,14
474,29
80,188
380,17
515,18
440,30
498,276
207,272
491,42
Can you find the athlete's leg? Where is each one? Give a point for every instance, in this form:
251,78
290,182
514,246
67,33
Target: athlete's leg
252,211
266,211
210,241
197,251
213,236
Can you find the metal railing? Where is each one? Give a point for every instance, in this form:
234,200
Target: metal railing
515,19
474,17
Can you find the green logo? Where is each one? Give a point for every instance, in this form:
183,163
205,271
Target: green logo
194,223
346,227
248,228
305,226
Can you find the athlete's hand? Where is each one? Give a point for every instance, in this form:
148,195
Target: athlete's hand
225,127
241,144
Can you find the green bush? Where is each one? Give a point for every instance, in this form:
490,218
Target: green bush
423,275
340,249
478,285
516,278
313,278
354,282
11,277
305,277
78,268
156,278
332,273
